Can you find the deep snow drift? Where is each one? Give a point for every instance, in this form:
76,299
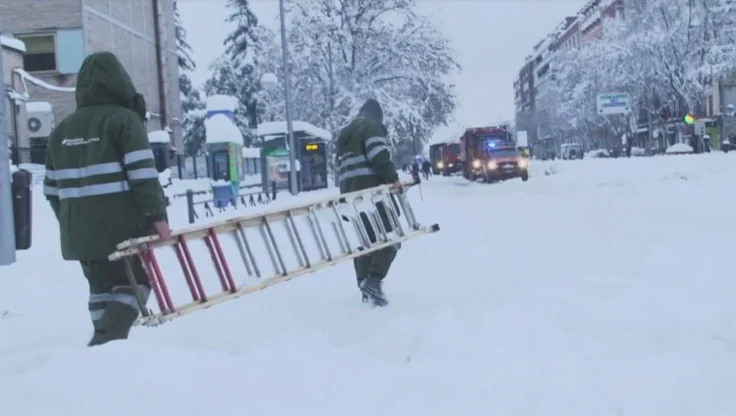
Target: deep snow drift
605,288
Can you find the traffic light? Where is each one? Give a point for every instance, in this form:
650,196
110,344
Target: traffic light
689,119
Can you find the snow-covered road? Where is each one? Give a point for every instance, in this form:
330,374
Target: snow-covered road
606,288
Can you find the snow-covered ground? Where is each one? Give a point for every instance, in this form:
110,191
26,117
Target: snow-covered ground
604,288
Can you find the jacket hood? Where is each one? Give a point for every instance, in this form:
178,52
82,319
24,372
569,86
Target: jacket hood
102,80
371,108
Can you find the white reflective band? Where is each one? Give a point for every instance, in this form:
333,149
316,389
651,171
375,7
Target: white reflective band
143,173
96,315
137,156
120,294
78,173
50,191
376,150
94,190
375,140
353,160
355,173
99,297
125,298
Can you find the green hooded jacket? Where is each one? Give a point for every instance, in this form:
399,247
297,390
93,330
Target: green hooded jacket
101,178
363,156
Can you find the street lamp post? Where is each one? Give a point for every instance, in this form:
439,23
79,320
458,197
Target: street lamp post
269,82
293,185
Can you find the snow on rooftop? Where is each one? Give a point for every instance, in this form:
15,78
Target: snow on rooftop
279,128
12,43
220,129
251,152
159,136
38,107
221,102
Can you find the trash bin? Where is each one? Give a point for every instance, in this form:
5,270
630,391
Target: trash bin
22,181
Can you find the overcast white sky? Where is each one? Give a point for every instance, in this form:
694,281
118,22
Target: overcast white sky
492,38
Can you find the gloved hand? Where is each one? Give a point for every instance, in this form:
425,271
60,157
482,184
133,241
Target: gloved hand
399,186
162,229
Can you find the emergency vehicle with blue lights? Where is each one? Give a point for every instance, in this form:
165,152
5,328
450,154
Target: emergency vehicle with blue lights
490,154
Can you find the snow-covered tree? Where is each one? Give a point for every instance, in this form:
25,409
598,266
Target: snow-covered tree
191,102
665,54
237,72
238,44
343,52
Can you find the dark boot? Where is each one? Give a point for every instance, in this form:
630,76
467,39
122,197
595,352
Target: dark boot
372,291
119,316
115,324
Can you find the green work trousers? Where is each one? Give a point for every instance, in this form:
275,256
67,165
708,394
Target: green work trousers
113,305
379,262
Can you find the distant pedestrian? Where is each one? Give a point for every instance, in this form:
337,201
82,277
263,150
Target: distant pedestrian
426,169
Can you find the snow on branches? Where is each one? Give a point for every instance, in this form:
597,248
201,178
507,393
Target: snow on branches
249,53
192,105
663,52
345,51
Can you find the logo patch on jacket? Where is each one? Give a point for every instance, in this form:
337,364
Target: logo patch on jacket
79,141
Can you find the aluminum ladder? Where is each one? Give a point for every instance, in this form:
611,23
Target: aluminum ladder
320,234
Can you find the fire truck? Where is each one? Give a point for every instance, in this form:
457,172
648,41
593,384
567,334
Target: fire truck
489,153
445,158
435,157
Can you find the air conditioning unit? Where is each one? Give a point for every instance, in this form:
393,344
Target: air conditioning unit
40,119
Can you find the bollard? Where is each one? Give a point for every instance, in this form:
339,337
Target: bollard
273,191
190,206
22,208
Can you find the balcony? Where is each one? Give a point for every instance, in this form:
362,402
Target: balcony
590,20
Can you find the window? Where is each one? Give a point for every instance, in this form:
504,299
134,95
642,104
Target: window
70,50
40,52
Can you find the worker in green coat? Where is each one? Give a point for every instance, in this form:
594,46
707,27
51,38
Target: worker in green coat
364,161
103,186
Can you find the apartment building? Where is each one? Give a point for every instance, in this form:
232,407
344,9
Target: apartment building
59,34
570,36
524,89
722,94
572,33
594,13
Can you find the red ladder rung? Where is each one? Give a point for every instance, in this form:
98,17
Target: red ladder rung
158,284
152,280
194,273
223,262
185,269
216,262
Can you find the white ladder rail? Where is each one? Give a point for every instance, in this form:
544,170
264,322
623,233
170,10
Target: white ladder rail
357,203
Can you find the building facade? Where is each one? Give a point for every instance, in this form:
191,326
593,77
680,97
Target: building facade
573,32
721,95
594,13
524,89
15,110
59,34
